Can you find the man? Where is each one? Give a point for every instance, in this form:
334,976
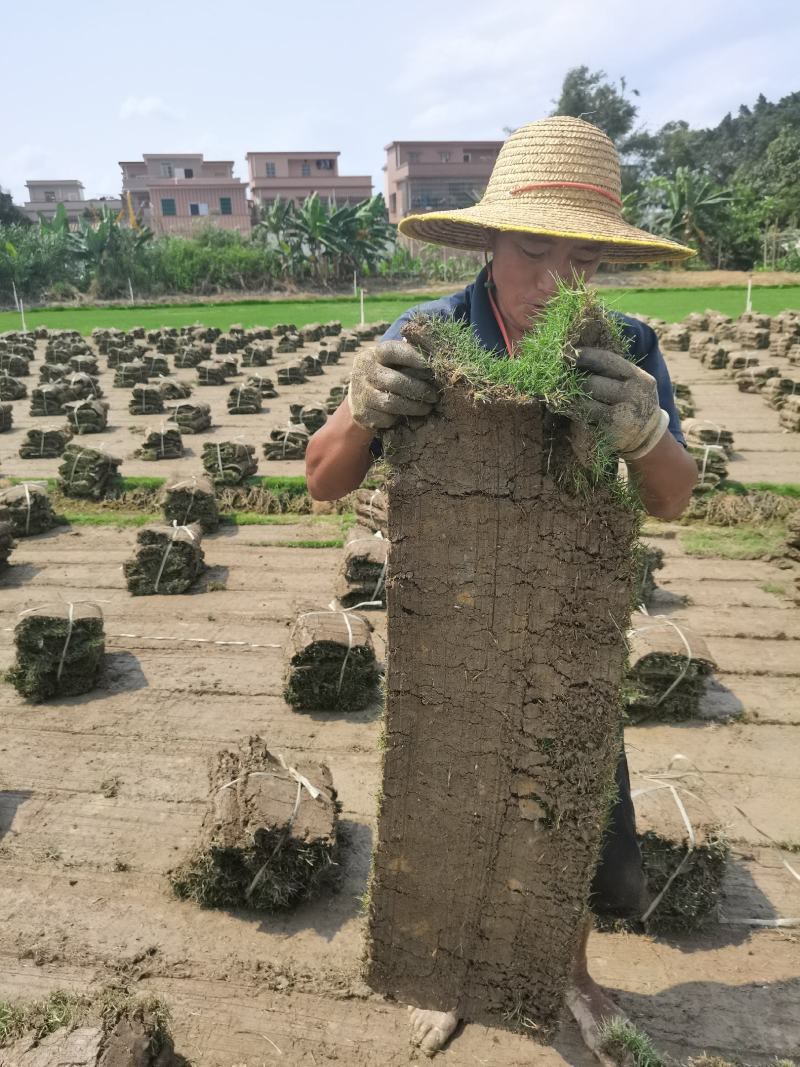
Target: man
552,210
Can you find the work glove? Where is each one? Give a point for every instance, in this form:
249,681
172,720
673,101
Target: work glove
388,382
622,401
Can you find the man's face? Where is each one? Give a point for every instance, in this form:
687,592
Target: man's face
525,266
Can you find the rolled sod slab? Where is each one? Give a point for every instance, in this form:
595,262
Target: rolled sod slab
44,444
174,390
371,509
191,500
287,442
330,662
60,651
12,388
269,838
86,472
509,585
146,400
229,462
49,400
362,574
191,418
244,400
27,507
161,444
168,560
668,669
87,416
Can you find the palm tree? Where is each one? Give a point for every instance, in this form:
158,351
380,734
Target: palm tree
691,203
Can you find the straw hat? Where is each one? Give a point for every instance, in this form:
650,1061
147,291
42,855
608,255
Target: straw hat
558,177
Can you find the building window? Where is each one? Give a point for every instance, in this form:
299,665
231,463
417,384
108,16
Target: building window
49,196
167,170
188,172
305,170
198,209
324,164
168,206
414,157
270,170
444,157
393,203
225,205
468,157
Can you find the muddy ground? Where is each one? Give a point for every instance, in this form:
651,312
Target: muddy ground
101,795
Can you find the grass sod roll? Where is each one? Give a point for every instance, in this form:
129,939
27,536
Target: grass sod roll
49,400
256,355
330,662
15,365
229,462
269,839
87,416
83,386
44,444
265,386
190,357
668,668
509,585
293,374
313,417
129,374
699,433
192,500
211,373
174,390
362,575
649,560
12,388
146,400
191,418
371,510
6,417
287,442
690,899
86,472
27,507
161,444
60,651
110,1028
7,543
244,400
168,560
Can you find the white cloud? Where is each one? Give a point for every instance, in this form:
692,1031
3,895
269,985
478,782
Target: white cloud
145,107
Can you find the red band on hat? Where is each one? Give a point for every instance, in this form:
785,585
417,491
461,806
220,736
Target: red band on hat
571,185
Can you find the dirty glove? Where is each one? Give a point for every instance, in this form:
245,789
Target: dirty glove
387,382
622,401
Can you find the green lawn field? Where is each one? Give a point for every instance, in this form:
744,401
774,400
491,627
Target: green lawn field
669,304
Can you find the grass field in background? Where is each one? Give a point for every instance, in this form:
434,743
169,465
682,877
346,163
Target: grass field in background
669,304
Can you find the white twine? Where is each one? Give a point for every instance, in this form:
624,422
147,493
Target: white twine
175,531
687,664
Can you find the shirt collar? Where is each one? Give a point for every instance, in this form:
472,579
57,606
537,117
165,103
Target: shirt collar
481,316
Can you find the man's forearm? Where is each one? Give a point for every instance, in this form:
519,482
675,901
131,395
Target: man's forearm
665,478
338,456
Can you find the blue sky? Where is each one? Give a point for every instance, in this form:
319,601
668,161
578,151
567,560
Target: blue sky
88,84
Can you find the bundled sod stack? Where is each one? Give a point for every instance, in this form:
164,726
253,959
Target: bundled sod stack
244,400
287,442
53,372
269,836
146,400
7,543
129,374
172,390
60,651
6,417
291,375
649,559
313,417
161,444
87,416
192,500
790,414
669,666
712,466
191,356
256,355
84,365
44,444
14,364
330,662
84,386
191,418
265,386
168,560
701,433
12,388
27,508
362,576
156,364
211,373
229,462
49,400
87,472
371,509
509,585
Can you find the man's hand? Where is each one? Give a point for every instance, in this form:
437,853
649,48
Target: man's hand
388,382
622,401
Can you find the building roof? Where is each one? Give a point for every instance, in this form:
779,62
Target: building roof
54,181
304,154
453,144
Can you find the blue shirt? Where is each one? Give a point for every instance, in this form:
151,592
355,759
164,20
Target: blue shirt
472,305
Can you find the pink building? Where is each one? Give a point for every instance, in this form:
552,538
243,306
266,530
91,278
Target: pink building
436,175
296,175
46,195
176,193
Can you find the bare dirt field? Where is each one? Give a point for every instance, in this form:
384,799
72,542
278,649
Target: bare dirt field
101,795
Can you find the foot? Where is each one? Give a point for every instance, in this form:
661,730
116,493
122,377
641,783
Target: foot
590,1007
431,1030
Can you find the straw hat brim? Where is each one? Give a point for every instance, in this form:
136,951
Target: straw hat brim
470,227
